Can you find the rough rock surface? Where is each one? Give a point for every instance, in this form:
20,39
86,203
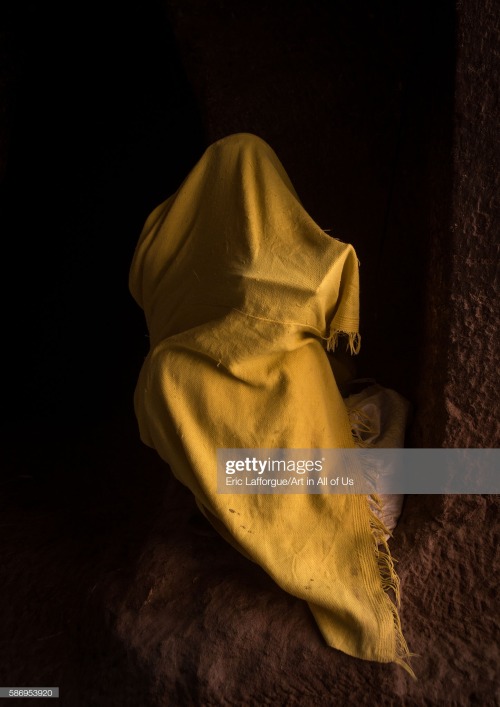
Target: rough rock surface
118,591
473,373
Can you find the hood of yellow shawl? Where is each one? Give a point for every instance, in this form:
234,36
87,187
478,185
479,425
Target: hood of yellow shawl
235,236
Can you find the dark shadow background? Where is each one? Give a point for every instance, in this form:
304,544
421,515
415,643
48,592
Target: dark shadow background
103,123
102,127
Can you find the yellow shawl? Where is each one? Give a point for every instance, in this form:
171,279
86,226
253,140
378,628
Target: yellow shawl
242,292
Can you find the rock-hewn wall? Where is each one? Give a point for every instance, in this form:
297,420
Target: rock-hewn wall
473,371
459,376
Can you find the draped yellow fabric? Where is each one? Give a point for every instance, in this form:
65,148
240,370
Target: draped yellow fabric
242,293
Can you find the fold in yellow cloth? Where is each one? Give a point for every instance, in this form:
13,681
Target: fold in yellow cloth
242,293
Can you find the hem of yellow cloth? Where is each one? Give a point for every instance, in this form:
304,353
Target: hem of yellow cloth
389,582
353,340
385,562
360,422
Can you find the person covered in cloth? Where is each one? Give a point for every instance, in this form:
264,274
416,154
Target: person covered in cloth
243,294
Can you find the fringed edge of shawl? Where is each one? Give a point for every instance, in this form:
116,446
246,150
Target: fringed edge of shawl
353,340
360,422
390,582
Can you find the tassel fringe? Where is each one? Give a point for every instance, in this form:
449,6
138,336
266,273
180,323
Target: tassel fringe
390,582
353,342
361,425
